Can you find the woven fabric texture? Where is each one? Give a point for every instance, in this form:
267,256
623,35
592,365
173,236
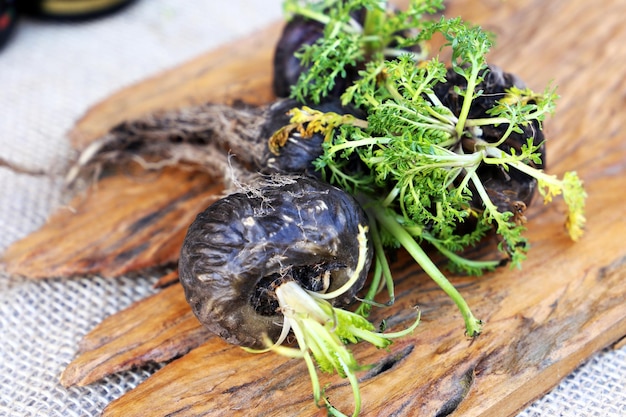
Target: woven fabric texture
50,74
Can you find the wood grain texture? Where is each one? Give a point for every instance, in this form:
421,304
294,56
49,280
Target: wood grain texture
541,322
125,222
156,329
82,237
537,330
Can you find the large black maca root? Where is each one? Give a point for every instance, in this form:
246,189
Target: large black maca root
240,248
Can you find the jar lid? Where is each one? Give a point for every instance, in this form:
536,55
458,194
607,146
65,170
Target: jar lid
71,9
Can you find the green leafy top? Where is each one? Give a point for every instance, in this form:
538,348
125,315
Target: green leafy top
349,41
419,173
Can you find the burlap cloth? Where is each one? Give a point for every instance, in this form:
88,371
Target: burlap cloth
49,75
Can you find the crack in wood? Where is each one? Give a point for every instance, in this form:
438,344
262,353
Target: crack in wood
388,363
463,386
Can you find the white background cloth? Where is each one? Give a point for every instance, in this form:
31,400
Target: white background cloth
50,74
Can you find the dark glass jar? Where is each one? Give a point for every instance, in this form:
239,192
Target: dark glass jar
8,17
71,9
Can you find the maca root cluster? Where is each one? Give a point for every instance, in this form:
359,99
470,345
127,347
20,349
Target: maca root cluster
373,146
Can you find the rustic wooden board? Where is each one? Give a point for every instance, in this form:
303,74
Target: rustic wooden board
156,329
541,322
124,223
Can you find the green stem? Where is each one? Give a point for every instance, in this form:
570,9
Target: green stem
467,99
374,20
366,302
392,90
449,119
482,265
504,136
357,143
320,17
487,121
514,244
490,207
539,174
472,324
382,263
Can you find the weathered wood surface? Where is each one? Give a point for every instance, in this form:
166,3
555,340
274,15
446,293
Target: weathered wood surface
138,233
541,322
123,223
156,329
